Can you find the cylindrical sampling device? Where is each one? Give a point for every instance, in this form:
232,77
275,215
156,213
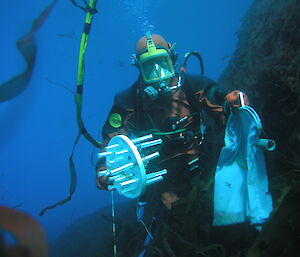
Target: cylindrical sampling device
126,164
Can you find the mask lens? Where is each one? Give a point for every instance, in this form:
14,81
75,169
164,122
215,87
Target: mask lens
157,68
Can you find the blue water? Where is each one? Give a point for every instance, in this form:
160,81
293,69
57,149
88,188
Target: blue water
38,127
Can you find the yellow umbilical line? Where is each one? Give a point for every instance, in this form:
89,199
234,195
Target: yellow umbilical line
80,72
90,9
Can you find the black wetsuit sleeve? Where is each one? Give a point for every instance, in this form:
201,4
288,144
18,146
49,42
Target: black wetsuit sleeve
125,115
206,95
123,111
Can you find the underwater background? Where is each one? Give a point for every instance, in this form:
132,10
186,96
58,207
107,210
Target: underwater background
38,126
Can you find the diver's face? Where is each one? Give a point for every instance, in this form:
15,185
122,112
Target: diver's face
168,198
156,68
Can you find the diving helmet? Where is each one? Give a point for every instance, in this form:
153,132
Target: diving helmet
154,60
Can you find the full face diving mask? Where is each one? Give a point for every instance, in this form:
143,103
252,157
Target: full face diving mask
155,64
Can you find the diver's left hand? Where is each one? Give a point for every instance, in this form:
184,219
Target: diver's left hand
233,99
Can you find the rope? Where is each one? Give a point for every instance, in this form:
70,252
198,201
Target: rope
113,214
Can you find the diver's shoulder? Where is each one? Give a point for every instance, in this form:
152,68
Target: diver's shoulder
195,77
127,96
196,81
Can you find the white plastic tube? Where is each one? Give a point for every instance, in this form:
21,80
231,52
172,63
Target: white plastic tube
266,144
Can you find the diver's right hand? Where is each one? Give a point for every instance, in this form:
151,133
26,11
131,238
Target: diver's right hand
102,181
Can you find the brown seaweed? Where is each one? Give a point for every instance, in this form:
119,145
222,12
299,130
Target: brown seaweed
27,47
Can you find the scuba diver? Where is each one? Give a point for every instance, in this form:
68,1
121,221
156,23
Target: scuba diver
170,104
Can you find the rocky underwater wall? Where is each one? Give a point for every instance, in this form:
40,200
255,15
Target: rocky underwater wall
266,65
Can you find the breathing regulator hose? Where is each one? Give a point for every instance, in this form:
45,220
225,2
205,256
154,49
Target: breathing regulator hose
198,56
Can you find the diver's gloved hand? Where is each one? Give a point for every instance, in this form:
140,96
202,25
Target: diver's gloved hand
102,181
234,100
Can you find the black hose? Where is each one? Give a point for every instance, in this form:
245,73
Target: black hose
198,56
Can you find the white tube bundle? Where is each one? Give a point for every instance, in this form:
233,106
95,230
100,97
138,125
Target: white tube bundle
126,164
